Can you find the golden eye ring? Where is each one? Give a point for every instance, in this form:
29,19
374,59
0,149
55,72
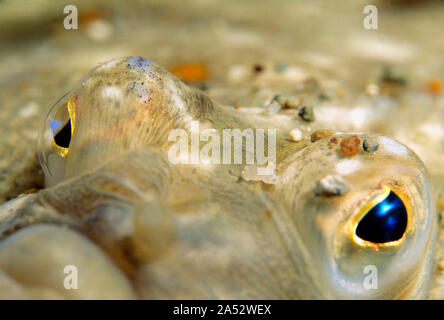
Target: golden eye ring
58,147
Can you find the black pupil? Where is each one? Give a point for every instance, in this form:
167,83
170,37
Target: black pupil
385,222
63,137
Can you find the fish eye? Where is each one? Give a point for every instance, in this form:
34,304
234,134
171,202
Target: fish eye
63,137
61,126
385,222
55,135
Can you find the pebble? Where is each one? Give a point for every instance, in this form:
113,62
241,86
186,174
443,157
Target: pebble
331,185
287,102
306,113
370,146
350,145
258,68
322,96
372,89
319,134
392,76
295,135
273,107
281,67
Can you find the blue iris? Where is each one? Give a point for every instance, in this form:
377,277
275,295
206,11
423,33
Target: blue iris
385,222
54,125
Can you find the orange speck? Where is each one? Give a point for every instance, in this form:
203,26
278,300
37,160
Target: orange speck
435,86
350,145
236,106
91,15
190,72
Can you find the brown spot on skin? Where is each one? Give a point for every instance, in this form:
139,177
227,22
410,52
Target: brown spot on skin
319,134
350,145
190,72
268,213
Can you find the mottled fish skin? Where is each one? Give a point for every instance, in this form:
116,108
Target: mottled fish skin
203,231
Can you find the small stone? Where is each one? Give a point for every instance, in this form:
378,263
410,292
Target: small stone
319,134
280,67
372,89
331,185
273,107
322,96
286,102
370,146
392,76
258,68
350,145
306,113
296,135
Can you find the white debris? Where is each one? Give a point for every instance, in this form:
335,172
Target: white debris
296,135
331,185
99,30
273,107
238,73
372,89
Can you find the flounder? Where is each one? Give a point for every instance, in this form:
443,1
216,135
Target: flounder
322,224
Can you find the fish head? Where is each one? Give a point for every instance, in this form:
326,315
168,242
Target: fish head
367,220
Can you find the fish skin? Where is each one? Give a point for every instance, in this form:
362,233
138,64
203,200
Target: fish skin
111,192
